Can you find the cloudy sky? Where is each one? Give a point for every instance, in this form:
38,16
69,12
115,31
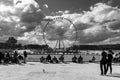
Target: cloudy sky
97,21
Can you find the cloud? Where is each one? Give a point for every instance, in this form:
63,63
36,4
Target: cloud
97,25
115,26
31,38
45,5
31,14
57,29
16,19
25,21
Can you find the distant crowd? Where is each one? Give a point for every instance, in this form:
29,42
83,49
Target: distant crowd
49,59
74,59
13,58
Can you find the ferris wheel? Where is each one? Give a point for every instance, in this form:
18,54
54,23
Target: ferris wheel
60,30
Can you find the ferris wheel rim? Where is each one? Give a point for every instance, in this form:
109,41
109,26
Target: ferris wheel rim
55,19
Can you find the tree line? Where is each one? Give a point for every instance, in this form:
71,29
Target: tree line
12,43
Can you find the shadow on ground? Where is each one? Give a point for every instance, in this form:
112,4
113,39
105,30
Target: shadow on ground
31,64
114,75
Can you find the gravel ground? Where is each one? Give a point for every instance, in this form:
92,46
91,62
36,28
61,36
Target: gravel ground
71,71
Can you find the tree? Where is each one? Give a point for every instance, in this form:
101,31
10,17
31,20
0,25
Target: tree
11,40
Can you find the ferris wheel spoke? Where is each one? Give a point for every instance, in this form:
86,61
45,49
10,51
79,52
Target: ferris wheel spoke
60,42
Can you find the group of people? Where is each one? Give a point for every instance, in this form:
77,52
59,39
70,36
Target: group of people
15,57
93,59
77,60
106,61
61,59
12,57
52,60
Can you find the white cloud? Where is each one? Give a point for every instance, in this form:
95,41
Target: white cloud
45,5
98,24
31,38
12,21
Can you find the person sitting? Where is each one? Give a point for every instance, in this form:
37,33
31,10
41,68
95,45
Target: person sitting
74,59
7,58
93,59
61,58
42,59
55,59
20,58
48,58
80,59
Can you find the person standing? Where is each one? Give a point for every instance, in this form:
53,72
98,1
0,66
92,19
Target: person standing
103,63
109,61
25,56
2,57
15,55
